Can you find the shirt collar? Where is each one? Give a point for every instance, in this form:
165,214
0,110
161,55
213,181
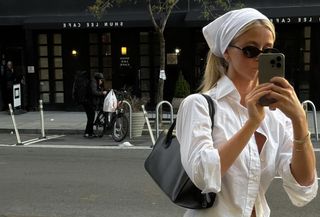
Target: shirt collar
225,87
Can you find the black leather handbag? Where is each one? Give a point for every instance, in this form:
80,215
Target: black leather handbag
164,166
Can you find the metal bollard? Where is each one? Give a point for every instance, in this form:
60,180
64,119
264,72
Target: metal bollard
15,126
148,124
41,119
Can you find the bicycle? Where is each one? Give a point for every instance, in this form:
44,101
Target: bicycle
116,121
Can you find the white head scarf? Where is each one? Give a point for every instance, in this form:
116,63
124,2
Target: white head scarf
220,32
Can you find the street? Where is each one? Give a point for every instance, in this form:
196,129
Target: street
54,180
78,182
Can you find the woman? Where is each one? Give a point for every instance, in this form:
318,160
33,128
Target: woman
250,144
94,100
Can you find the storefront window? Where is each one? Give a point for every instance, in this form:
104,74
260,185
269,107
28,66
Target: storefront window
94,49
94,62
43,62
57,50
43,74
45,97
58,74
57,62
56,38
43,50
59,98
44,86
59,85
42,39
50,68
101,55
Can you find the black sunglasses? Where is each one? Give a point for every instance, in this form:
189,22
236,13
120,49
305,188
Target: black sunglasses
252,51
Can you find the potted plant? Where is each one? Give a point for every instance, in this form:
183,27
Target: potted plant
138,119
182,89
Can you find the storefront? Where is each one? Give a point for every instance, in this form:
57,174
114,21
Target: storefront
49,49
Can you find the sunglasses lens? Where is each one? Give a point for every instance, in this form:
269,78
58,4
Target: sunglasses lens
251,51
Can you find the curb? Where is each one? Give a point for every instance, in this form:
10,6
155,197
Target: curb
47,131
65,131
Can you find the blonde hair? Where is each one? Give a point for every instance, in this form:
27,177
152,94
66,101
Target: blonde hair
216,66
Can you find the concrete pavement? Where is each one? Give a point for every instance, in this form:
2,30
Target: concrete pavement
58,123
65,122
55,122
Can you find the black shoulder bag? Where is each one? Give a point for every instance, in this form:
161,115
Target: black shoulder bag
164,166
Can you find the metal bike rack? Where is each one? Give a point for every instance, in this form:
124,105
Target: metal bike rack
43,135
305,106
148,124
15,125
157,114
130,117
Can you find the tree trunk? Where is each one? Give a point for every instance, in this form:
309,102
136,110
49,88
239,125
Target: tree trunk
162,66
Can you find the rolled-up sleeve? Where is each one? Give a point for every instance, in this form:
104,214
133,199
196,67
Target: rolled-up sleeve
198,155
299,195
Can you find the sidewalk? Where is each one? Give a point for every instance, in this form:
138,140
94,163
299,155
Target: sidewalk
55,122
64,122
60,123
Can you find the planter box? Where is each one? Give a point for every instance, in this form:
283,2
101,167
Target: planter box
138,122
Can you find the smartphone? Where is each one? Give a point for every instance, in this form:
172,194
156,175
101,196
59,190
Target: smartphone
270,65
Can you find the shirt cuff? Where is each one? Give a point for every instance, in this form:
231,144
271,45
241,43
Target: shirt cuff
210,179
298,194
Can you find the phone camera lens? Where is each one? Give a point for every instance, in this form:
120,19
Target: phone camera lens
278,58
278,65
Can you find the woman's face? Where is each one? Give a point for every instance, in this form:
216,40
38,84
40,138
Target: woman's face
240,66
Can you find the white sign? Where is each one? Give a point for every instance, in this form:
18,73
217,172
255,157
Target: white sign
30,69
78,25
162,75
16,95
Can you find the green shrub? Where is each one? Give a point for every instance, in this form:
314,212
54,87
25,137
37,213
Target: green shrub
182,88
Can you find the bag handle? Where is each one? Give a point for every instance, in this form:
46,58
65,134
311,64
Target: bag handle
211,113
211,108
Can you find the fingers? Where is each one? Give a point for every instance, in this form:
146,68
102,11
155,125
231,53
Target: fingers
259,91
280,81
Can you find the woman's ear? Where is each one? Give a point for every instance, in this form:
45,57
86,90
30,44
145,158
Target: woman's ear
226,56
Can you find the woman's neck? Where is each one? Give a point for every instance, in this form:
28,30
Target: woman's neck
244,87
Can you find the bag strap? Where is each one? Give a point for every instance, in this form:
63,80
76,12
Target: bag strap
211,113
211,108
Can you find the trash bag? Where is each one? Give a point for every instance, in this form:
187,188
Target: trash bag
110,102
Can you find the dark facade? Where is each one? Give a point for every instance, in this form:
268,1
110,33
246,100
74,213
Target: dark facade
49,41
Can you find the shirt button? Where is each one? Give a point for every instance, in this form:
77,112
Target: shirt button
262,159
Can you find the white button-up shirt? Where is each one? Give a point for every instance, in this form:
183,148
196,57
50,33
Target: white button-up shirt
245,183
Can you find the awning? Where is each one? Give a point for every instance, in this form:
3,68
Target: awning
294,14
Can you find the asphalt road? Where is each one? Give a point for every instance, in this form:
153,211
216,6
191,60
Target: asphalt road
78,183
57,180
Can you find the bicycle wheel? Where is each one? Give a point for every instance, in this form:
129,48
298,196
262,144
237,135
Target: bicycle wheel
120,128
99,125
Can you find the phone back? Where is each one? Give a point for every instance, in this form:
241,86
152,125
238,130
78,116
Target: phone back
271,65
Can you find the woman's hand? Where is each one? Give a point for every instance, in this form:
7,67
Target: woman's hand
287,100
255,110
